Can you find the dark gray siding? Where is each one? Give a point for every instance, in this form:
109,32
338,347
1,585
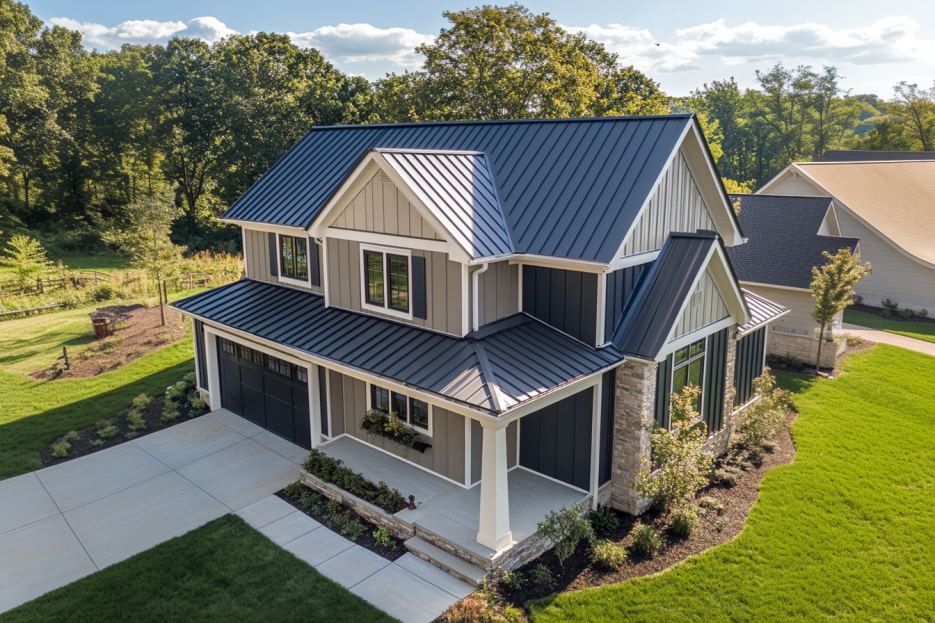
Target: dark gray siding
556,441
620,285
564,299
477,450
200,354
607,426
714,380
748,365
323,399
663,389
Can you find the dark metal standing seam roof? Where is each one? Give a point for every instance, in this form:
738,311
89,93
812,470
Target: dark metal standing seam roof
568,187
876,156
643,330
526,357
782,239
762,310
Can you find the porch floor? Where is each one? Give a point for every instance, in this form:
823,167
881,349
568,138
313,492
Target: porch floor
447,509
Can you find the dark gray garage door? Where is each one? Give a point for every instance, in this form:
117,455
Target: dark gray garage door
266,390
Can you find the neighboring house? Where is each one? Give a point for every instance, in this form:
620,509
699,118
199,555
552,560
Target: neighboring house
890,206
525,295
876,156
785,238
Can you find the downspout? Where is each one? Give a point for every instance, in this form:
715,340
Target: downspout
476,312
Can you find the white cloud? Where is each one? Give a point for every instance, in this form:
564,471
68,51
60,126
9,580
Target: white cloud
146,31
355,43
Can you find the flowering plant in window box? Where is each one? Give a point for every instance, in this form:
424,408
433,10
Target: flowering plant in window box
389,425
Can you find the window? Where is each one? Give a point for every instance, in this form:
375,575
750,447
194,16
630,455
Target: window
689,368
412,411
274,364
386,281
293,258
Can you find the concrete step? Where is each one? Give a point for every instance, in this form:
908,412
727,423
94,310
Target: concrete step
463,570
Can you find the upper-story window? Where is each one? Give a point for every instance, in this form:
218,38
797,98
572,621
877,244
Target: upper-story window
689,368
293,259
386,281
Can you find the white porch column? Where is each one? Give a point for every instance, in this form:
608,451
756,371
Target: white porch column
214,374
494,497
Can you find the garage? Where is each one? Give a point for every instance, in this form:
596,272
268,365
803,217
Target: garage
268,391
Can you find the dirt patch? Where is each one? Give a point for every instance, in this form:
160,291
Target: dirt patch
137,332
715,529
117,429
337,519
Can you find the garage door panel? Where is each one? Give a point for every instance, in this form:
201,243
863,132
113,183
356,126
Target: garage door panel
279,417
254,408
251,375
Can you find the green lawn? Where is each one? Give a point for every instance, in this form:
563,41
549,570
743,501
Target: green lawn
846,532
918,330
224,571
104,262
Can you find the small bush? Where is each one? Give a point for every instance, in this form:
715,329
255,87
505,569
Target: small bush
720,525
333,470
906,313
170,410
353,529
310,501
71,436
103,292
604,520
858,299
333,507
512,580
565,528
190,379
923,313
135,420
646,540
471,609
177,391
107,432
541,574
729,476
383,537
711,504
606,555
294,489
60,449
764,418
141,402
684,521
97,442
889,305
197,403
512,613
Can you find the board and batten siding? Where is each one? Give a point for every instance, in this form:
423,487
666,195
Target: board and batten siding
894,275
442,285
564,299
677,205
700,313
256,257
498,289
620,287
446,457
555,441
379,207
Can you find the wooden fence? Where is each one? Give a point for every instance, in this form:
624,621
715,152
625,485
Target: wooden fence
50,283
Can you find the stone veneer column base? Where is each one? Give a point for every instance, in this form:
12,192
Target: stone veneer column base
804,348
634,398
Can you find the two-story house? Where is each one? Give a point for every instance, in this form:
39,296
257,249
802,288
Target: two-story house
523,294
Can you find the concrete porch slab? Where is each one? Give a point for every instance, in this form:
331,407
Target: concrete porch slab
318,546
38,558
282,447
289,528
25,501
420,602
241,474
136,519
98,475
188,441
236,423
352,566
265,512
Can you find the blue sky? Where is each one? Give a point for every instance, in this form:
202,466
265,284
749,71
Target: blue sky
873,45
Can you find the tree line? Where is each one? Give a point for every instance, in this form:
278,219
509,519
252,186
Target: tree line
84,135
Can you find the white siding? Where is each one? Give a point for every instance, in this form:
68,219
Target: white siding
710,309
894,275
677,205
381,208
795,187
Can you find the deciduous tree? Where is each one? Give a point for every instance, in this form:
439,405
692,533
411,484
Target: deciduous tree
833,288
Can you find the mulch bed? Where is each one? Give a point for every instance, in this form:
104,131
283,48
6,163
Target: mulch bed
881,312
139,334
714,530
89,442
335,524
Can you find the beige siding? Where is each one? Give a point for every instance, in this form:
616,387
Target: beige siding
711,308
256,257
442,277
795,187
894,275
446,456
381,208
677,205
800,305
499,291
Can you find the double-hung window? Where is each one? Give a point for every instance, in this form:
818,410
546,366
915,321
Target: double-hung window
293,259
688,368
386,280
411,411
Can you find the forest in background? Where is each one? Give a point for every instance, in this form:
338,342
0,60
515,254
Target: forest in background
84,135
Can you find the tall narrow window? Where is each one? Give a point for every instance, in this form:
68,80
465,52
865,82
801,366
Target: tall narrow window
399,283
374,263
293,257
379,398
689,369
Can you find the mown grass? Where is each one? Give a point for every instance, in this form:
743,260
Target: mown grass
919,330
224,571
846,532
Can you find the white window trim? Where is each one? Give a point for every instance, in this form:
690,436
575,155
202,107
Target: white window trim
309,247
418,429
389,311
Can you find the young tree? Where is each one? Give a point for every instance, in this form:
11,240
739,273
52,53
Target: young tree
681,462
26,257
833,288
762,419
146,240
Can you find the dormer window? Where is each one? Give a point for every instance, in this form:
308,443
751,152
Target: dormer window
386,281
293,259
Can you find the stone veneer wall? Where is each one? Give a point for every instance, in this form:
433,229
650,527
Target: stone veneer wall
804,348
634,397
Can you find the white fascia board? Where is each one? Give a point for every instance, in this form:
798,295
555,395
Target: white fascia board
567,263
697,158
634,260
267,227
694,336
772,285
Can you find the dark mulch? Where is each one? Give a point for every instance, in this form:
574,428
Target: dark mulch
336,523
714,530
89,441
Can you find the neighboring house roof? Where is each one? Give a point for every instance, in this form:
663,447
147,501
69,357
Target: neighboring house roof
566,187
762,311
871,156
782,239
459,189
504,364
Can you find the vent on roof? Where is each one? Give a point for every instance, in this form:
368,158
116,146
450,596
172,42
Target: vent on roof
697,298
385,178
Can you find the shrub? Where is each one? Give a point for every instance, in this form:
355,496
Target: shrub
565,528
333,507
541,574
729,475
135,420
858,299
851,340
685,521
764,418
606,555
711,504
71,436
471,609
512,580
604,520
720,525
512,613
889,305
141,402
177,391
923,313
333,470
190,380
197,403
107,432
682,463
294,489
60,449
170,410
310,501
353,529
906,313
383,537
103,292
646,540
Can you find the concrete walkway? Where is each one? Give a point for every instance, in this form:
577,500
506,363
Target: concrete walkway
882,337
62,523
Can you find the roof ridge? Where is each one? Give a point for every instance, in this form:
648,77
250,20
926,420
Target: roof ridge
489,376
404,124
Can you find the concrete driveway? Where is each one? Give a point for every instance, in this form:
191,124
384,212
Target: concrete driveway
62,523
882,337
